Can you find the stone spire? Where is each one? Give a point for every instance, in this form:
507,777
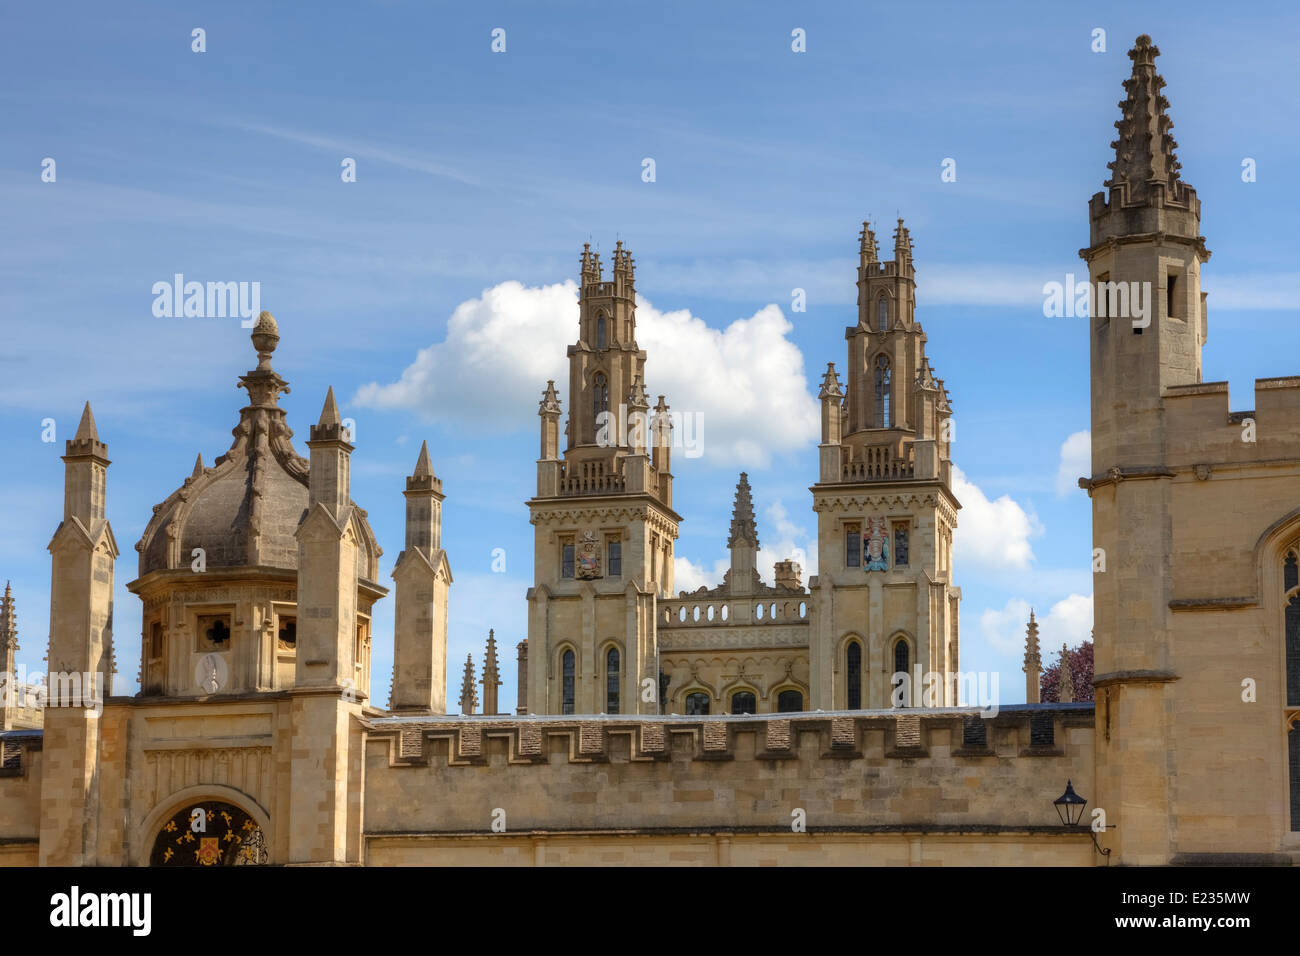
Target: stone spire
491,679
468,693
1033,663
1144,161
8,659
902,247
1065,682
868,252
743,527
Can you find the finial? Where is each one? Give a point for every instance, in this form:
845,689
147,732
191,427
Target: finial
329,415
265,336
198,467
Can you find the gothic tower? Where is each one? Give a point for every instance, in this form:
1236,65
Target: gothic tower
884,600
603,517
423,576
1146,330
83,551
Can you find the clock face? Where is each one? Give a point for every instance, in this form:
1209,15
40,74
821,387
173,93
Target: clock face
209,833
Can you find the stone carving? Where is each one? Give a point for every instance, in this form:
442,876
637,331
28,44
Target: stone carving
587,566
875,545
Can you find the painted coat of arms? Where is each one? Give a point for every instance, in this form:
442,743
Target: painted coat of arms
588,555
875,545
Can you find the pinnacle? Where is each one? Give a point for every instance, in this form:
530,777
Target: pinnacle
1144,148
743,525
198,467
329,415
423,466
86,430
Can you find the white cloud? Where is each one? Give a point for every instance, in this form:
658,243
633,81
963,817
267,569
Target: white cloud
689,576
1068,621
993,534
1076,462
744,385
789,541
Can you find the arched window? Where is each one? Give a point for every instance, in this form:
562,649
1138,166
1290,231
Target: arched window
611,681
1293,751
789,702
599,396
600,332
900,657
853,668
1290,577
883,416
882,314
1293,651
697,705
566,683
744,702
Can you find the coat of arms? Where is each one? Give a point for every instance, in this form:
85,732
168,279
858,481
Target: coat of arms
588,554
875,545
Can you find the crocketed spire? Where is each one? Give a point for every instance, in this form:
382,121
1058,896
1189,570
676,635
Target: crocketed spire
1144,151
743,527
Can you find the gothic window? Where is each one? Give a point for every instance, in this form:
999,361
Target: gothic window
1290,578
566,683
614,564
599,396
883,417
853,669
789,702
744,702
566,558
600,332
900,657
1293,752
882,314
611,681
900,545
852,546
1293,652
697,705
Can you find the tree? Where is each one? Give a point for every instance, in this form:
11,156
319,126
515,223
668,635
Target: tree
1080,659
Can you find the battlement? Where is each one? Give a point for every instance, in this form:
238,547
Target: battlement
1203,430
869,773
1029,730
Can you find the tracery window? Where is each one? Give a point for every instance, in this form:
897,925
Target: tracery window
882,314
600,332
853,668
611,681
567,682
599,397
884,417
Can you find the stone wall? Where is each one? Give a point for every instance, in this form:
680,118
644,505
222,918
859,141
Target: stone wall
873,786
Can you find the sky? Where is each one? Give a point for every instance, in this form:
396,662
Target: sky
436,293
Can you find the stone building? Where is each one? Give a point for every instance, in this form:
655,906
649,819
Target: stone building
749,723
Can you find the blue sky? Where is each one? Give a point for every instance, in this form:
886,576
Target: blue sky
480,175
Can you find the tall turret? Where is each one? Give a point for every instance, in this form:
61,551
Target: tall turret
423,576
83,552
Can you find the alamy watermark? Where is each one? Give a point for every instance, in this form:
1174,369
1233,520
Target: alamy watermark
683,430
1115,300
927,689
56,689
207,300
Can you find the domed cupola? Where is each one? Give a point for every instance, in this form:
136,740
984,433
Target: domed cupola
219,558
243,511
